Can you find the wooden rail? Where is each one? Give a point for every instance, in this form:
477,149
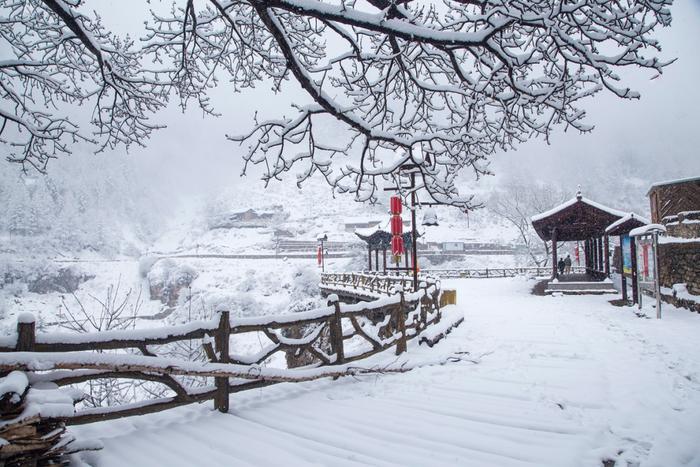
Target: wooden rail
329,338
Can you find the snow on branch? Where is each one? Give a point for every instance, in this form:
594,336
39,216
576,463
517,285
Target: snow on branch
440,85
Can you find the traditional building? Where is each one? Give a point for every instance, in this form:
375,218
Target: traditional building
670,198
676,205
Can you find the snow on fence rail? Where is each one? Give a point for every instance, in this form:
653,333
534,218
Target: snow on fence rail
486,273
317,343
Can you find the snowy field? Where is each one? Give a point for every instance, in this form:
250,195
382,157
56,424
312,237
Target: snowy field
542,381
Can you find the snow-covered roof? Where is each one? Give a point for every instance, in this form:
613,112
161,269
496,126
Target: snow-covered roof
626,218
361,220
573,201
672,182
368,231
646,230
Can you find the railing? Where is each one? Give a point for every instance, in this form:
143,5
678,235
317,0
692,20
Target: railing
316,344
486,273
370,284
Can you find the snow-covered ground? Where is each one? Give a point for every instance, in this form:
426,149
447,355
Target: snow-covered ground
543,381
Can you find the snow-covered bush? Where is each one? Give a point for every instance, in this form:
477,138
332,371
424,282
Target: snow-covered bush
145,264
167,278
42,277
305,280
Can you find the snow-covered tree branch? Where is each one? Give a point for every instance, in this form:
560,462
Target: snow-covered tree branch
441,85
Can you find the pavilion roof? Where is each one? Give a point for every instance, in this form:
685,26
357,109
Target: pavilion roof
378,239
626,223
577,219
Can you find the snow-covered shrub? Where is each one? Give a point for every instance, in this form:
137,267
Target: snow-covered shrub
15,289
43,277
357,263
115,311
145,264
167,278
3,309
305,280
249,282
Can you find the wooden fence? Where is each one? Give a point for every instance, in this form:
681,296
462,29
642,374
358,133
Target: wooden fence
331,337
486,273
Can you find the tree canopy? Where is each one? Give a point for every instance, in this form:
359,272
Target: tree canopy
441,85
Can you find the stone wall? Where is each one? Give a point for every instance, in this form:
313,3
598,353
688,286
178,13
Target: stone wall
681,303
680,263
683,225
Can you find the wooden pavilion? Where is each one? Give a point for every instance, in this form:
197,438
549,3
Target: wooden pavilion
580,219
380,241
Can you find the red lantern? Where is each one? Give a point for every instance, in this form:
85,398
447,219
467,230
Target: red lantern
396,225
395,205
396,245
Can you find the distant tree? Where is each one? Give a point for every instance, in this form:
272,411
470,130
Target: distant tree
439,84
516,202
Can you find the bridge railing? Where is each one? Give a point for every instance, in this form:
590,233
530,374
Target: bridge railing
374,283
316,344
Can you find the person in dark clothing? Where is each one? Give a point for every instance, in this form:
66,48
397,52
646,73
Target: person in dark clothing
561,265
567,264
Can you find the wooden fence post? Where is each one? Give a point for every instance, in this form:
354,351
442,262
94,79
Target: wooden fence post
222,349
401,326
336,329
26,332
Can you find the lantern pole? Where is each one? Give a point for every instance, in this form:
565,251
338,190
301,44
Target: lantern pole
322,258
414,233
657,279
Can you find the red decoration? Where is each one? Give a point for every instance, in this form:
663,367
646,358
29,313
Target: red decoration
395,205
396,225
319,255
396,245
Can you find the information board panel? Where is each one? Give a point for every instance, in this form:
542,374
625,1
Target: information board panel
626,256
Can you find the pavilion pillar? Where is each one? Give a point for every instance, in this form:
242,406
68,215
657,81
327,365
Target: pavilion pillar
369,255
600,254
555,271
594,256
635,284
623,278
606,255
376,259
384,261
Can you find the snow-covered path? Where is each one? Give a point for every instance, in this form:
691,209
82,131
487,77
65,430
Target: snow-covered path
559,381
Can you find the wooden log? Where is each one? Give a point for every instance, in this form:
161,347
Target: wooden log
336,329
401,326
157,405
118,343
375,345
26,333
222,347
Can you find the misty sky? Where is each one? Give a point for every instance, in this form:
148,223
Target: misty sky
659,134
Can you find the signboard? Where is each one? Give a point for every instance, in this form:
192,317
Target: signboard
645,263
626,255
